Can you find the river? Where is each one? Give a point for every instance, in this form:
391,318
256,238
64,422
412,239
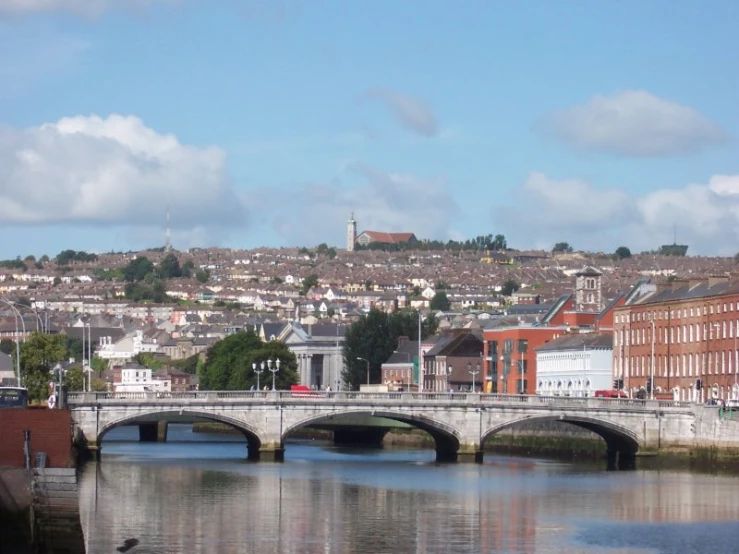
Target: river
197,494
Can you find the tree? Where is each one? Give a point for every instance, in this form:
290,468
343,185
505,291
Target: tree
499,243
39,353
169,267
74,379
374,337
57,281
137,269
202,275
309,282
440,301
228,364
187,268
622,252
509,287
561,247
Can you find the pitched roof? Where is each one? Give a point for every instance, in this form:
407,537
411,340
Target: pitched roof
387,238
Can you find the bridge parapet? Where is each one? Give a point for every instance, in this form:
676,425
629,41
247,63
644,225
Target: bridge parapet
396,398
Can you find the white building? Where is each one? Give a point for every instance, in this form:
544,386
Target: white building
575,365
136,378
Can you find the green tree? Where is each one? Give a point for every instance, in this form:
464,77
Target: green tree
74,379
99,365
39,353
137,269
440,301
309,282
374,337
74,348
228,364
202,275
57,281
499,243
169,267
622,252
561,247
509,287
368,284
188,268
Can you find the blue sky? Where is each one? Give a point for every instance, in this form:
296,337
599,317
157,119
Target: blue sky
269,122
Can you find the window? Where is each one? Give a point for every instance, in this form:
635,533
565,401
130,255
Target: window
507,346
523,346
493,347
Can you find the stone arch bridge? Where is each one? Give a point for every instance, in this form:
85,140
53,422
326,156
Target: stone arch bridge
459,423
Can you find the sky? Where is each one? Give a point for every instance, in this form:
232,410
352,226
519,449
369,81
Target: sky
269,122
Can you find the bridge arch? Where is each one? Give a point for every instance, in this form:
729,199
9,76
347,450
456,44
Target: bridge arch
621,442
446,438
251,434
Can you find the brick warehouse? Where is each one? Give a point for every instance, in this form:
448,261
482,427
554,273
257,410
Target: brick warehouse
51,433
686,332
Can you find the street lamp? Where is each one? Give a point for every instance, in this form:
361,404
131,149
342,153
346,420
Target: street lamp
274,370
257,371
410,370
651,371
473,373
368,372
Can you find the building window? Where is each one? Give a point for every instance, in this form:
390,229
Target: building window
507,346
493,348
523,346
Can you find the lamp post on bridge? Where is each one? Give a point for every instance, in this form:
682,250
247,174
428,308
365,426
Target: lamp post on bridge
368,372
473,373
274,370
257,371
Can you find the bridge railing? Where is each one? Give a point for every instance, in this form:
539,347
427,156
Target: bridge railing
483,400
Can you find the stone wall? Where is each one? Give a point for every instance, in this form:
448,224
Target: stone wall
51,433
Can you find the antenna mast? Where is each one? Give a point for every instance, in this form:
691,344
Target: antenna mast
168,237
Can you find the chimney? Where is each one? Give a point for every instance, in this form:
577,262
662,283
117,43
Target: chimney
717,280
664,286
696,282
677,284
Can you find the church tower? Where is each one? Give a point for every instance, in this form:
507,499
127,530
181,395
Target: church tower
351,234
588,296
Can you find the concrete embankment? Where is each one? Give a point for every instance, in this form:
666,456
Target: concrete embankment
15,511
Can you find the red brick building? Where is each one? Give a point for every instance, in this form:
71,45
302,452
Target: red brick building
684,333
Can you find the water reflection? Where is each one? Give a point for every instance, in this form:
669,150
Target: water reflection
205,498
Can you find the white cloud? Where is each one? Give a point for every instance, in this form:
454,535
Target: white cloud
111,171
411,113
87,8
634,123
381,201
705,216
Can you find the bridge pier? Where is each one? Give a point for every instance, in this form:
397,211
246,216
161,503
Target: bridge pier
470,454
271,453
153,431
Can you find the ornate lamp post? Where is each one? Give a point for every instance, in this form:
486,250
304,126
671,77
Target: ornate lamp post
274,370
473,373
257,371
